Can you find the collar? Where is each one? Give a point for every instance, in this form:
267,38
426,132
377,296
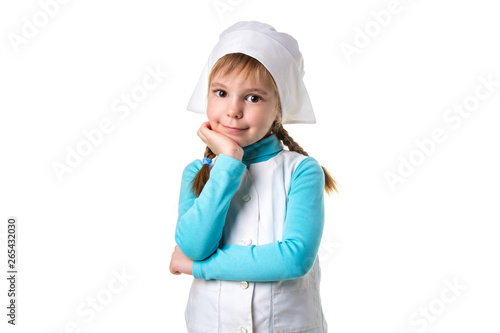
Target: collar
262,150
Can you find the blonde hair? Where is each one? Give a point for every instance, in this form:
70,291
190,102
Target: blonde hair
239,63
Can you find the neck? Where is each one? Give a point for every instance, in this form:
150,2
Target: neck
262,150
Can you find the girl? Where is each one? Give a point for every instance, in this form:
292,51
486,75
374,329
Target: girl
251,213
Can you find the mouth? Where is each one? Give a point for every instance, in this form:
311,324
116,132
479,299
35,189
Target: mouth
233,129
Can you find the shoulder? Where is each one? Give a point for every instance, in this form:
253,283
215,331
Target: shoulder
300,162
302,168
307,181
309,169
290,159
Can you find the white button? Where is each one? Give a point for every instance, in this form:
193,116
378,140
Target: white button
247,242
243,330
244,284
246,197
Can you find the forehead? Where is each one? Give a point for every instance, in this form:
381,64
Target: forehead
244,77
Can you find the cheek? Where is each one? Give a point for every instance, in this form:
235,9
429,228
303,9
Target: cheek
260,120
269,119
213,119
211,115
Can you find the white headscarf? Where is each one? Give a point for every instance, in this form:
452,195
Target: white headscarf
278,52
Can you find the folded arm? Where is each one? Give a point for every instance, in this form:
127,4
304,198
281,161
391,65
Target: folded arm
201,220
290,258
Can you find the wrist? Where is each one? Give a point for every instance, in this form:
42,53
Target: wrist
237,154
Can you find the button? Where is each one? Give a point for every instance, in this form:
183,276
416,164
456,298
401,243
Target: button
244,284
247,242
243,330
246,197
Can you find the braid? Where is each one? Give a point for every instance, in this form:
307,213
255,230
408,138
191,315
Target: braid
282,134
201,178
209,153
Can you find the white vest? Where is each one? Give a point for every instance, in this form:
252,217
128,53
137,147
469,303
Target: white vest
255,216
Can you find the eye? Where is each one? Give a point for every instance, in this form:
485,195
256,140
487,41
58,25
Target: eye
220,93
254,98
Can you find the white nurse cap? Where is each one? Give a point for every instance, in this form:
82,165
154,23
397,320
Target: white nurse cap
278,52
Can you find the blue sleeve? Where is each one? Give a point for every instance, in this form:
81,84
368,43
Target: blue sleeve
294,255
201,220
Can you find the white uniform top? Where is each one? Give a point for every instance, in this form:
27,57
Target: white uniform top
256,216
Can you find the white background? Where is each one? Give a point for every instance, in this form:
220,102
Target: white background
386,253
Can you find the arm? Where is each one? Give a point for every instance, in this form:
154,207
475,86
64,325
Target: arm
201,220
294,255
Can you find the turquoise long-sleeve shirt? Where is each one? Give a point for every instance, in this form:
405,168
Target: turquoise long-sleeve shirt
201,220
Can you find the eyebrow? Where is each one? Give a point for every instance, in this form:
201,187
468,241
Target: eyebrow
260,91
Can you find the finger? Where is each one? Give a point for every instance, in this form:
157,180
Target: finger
205,134
204,129
205,124
173,270
200,132
202,136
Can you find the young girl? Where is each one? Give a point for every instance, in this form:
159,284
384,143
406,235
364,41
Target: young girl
251,213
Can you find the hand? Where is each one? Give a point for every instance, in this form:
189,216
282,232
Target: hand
180,263
219,143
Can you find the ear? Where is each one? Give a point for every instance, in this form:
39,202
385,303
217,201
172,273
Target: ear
278,117
275,127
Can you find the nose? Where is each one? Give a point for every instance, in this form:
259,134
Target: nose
235,108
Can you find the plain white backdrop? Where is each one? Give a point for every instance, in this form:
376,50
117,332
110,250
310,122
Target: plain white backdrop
398,90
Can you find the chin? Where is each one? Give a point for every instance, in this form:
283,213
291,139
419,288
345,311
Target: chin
242,143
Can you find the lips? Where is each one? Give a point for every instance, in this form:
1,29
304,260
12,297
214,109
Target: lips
233,129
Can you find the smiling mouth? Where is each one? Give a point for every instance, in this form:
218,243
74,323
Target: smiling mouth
234,130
